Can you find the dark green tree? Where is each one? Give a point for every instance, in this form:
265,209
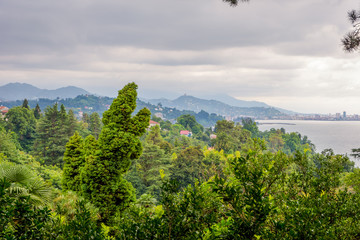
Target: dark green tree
189,122
74,160
250,125
26,104
21,120
230,137
37,112
71,123
19,219
86,118
8,146
119,143
95,124
144,173
187,166
54,131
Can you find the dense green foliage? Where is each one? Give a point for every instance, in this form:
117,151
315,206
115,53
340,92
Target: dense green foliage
96,170
54,130
121,181
88,104
22,122
74,161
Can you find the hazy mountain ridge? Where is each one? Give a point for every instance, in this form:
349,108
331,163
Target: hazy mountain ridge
237,102
186,102
19,91
230,106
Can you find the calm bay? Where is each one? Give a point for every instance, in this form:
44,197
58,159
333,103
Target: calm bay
341,136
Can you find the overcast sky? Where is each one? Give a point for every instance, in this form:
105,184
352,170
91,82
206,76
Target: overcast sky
286,53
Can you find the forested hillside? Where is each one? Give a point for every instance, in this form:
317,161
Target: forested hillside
116,178
88,104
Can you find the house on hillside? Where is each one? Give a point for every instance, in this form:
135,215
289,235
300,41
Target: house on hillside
212,136
3,111
186,133
153,124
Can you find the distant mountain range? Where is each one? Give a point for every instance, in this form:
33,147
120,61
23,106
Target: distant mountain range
223,105
235,108
20,91
235,102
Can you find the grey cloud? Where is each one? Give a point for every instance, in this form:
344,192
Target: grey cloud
157,24
266,49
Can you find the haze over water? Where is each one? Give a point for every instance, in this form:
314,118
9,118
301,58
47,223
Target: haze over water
341,136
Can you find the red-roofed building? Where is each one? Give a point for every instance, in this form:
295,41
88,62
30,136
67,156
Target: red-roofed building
3,110
186,133
153,124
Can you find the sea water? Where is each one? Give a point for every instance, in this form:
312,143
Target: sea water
341,136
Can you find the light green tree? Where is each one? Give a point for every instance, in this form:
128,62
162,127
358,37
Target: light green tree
118,144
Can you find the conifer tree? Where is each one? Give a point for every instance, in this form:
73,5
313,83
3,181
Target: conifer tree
154,136
25,104
74,160
72,125
95,124
118,144
53,133
37,111
86,118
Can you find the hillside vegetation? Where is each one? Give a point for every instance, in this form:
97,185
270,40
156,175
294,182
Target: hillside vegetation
116,178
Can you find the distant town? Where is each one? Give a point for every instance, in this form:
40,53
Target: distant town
321,117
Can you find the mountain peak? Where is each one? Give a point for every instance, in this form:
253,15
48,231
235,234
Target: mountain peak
20,91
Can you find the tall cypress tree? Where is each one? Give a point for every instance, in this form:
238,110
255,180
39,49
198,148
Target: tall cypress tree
118,144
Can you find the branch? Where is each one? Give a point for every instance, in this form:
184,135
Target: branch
234,3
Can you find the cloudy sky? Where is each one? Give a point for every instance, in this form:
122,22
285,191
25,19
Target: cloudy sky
285,53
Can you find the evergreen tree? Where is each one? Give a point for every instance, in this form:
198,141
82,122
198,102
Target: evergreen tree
53,134
26,104
86,118
74,160
72,125
118,143
37,112
144,172
95,124
154,136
